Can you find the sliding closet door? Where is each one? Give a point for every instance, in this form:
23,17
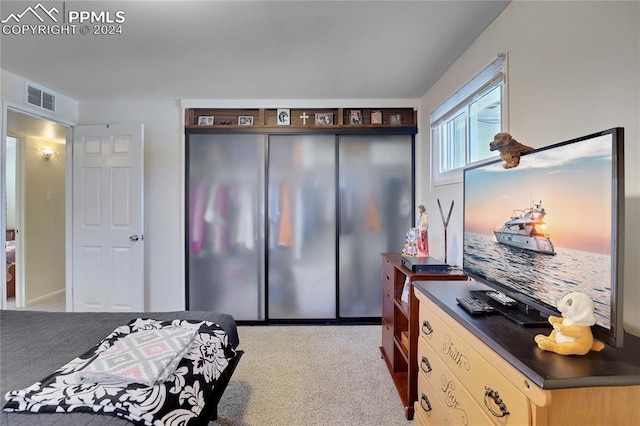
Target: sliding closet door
301,227
375,211
225,224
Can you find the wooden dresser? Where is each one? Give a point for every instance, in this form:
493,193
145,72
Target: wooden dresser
489,371
400,325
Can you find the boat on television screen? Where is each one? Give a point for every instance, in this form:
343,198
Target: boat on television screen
524,230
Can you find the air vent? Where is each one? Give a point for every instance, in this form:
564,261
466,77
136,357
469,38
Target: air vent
34,96
38,97
48,101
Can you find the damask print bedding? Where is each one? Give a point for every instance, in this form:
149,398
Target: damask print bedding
172,402
146,356
188,396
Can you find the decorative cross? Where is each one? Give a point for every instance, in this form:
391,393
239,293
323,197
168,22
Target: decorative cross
304,118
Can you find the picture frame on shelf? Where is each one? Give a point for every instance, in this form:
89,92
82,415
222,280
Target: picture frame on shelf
324,118
406,290
396,119
355,117
205,120
245,120
376,117
284,117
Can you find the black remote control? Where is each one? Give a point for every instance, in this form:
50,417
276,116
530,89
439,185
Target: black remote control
501,298
475,306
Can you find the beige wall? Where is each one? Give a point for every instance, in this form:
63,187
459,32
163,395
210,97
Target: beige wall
573,70
43,231
10,183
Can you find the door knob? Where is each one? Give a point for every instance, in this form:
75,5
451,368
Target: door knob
134,237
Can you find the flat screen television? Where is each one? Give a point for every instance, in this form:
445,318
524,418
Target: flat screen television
552,225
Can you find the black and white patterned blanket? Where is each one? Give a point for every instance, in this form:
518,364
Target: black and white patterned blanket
177,401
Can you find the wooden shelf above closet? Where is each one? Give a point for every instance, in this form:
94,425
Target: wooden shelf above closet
334,120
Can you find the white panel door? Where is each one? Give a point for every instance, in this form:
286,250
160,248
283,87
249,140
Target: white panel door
108,243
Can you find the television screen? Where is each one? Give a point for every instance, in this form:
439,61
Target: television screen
550,226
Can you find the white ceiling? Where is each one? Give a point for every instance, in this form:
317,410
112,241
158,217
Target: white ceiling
24,125
251,49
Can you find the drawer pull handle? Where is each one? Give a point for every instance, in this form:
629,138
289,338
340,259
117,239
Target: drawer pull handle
425,404
427,326
425,363
491,394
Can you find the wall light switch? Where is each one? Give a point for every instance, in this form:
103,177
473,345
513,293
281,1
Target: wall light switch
47,195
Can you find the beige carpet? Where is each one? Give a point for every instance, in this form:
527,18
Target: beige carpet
311,375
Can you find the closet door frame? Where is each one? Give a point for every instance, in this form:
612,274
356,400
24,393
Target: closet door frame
268,132
412,182
186,228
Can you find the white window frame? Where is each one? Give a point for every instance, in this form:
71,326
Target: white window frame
495,74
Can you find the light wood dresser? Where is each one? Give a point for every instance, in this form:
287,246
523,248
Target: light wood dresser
489,371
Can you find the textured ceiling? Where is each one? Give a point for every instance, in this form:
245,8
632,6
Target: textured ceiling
249,49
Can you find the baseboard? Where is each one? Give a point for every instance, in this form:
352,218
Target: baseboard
46,297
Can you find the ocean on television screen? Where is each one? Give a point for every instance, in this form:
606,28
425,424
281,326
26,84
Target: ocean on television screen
548,278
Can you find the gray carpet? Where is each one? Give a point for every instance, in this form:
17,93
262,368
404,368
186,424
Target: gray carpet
311,375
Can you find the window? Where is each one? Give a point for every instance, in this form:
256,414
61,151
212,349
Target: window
463,126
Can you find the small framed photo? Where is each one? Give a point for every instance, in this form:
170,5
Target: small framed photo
284,117
205,120
324,118
355,117
245,120
396,120
376,117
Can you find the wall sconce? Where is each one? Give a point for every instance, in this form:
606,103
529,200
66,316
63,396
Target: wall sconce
47,153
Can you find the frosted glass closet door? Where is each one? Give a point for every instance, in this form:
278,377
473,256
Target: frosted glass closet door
302,227
225,231
375,210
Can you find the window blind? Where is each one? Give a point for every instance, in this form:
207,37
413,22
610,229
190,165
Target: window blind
489,76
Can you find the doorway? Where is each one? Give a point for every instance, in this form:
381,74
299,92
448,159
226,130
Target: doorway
35,176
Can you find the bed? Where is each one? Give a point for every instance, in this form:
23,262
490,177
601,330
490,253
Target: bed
10,248
33,345
11,279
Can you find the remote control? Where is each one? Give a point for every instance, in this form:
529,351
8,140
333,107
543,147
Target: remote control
501,298
474,306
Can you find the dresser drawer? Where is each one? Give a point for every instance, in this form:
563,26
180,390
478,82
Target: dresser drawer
387,285
388,269
387,303
418,418
387,342
487,386
428,410
453,393
387,288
